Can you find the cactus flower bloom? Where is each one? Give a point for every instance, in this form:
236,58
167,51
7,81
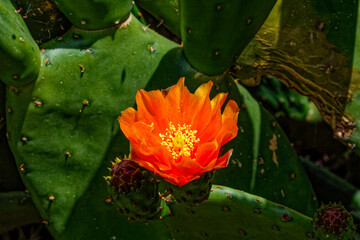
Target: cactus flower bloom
178,135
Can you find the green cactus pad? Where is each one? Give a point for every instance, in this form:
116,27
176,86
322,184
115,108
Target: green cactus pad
233,214
61,127
95,14
166,11
263,161
19,54
9,177
214,32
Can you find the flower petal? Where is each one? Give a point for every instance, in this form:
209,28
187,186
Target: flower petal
178,101
206,153
133,130
218,100
202,113
151,108
128,116
190,170
173,179
146,158
210,130
223,161
231,111
229,127
227,132
204,90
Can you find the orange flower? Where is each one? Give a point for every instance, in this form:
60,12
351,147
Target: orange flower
178,135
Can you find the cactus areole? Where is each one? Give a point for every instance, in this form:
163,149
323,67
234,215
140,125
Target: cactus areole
178,135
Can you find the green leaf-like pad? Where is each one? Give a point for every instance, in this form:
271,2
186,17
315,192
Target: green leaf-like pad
63,127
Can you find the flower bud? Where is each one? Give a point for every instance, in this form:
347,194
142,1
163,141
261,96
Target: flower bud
133,190
333,221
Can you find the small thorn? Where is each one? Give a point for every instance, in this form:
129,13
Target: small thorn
38,103
22,169
67,155
82,68
160,23
86,103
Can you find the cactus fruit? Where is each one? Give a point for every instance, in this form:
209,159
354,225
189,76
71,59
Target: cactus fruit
133,190
334,222
194,192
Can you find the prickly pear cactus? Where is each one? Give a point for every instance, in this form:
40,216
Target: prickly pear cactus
63,98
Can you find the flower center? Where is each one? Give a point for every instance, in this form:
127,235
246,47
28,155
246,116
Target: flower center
180,140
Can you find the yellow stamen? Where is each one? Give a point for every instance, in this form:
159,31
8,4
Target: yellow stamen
180,140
